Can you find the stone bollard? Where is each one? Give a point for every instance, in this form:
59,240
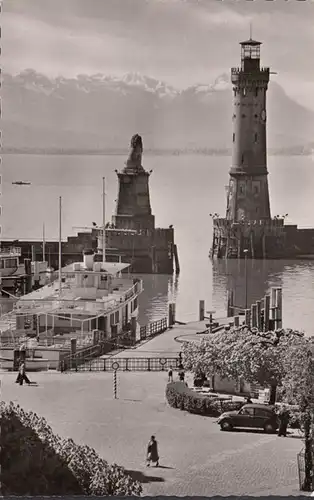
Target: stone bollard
236,321
202,310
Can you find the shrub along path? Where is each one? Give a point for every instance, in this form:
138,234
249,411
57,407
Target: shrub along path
198,458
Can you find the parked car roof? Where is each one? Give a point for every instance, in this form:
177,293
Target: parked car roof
257,405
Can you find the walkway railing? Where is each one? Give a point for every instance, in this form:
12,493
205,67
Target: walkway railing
128,364
153,328
85,359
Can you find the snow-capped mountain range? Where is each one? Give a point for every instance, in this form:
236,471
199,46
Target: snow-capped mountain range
100,111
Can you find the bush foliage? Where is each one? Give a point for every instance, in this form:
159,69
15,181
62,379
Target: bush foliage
35,461
180,396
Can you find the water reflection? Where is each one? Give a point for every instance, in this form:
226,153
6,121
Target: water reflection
153,302
295,277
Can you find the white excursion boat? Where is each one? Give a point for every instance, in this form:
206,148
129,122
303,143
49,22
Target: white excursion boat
89,297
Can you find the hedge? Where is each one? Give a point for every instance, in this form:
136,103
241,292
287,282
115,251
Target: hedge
35,461
180,396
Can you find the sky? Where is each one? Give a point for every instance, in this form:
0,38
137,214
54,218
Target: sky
181,42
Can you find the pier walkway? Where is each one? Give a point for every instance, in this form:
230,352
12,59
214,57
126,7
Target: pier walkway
169,343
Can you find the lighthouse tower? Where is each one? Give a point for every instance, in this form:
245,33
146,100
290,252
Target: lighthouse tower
248,228
248,195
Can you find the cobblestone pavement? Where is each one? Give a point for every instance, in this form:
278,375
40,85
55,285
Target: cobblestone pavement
196,457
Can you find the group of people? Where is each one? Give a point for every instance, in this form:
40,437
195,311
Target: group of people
181,374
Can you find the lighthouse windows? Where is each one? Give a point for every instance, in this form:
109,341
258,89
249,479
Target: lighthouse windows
241,192
256,92
256,188
255,138
233,137
244,92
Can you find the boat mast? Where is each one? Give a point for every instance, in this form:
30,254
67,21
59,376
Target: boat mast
44,244
103,220
60,235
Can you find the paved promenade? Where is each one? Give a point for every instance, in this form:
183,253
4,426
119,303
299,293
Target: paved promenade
166,344
196,457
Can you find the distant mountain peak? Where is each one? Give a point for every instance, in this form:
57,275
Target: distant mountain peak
100,111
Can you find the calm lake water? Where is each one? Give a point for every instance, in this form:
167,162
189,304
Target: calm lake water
184,190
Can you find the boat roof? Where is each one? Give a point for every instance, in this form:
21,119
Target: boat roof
111,268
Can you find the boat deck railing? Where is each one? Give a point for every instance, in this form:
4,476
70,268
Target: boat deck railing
17,251
59,306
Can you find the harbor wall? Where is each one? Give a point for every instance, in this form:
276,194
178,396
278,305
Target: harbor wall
264,239
148,251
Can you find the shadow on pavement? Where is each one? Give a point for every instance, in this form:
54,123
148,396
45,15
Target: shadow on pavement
253,431
142,478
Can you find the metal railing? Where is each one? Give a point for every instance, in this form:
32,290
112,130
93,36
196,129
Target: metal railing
84,359
125,364
106,306
153,328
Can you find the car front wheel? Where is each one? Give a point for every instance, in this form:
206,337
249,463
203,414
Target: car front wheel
269,428
226,426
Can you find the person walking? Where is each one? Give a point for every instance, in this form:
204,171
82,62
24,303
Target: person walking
283,422
152,452
170,375
22,375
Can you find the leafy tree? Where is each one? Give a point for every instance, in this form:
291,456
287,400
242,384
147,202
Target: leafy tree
35,461
236,353
298,388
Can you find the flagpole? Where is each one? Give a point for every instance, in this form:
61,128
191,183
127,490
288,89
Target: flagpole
44,244
60,237
104,220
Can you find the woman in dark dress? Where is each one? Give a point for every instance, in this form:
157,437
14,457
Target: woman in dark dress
152,452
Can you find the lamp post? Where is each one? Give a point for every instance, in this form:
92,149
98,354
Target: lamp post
245,274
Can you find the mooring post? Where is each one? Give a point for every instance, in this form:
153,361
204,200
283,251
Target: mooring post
230,310
278,307
254,315
210,320
236,321
247,317
170,315
266,312
272,313
259,314
173,313
202,310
